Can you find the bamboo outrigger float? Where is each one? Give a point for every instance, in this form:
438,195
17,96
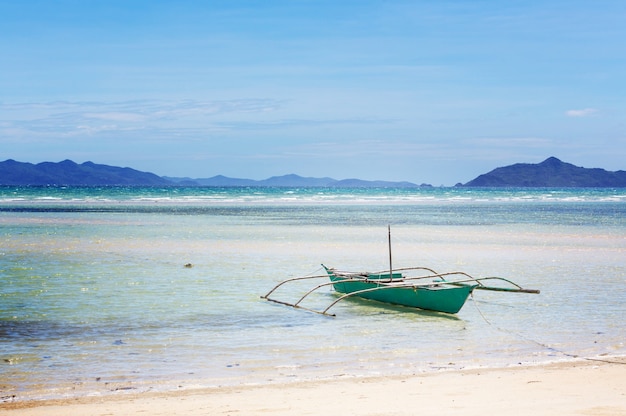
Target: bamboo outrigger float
415,287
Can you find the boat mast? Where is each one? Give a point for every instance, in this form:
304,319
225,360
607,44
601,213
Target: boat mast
389,242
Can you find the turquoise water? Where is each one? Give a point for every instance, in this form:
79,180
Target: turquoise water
96,299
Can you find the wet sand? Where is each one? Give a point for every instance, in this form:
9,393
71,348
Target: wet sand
592,388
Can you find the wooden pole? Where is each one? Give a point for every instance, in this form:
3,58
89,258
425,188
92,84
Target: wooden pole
389,242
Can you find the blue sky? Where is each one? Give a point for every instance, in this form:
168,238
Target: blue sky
425,91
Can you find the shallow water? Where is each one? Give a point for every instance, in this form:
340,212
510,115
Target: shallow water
95,297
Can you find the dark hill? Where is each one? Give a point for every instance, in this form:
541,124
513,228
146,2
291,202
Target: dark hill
72,174
551,173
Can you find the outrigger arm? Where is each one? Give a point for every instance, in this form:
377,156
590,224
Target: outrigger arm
382,284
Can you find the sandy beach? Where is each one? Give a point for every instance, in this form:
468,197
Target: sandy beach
592,388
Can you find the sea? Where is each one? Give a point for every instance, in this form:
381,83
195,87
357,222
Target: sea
115,290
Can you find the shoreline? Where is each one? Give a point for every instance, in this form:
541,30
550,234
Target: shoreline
585,387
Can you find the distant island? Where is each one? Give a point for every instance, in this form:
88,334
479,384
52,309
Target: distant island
292,180
550,173
69,173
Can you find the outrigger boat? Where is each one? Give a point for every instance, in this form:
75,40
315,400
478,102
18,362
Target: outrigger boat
415,287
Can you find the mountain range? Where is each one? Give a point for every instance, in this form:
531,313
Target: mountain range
69,173
552,172
72,174
292,180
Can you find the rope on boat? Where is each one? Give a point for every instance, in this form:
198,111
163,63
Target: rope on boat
541,344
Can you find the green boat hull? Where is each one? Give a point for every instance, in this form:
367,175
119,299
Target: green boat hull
440,297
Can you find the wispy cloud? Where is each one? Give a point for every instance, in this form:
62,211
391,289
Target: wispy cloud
58,119
510,142
585,112
157,120
145,108
290,122
116,116
355,149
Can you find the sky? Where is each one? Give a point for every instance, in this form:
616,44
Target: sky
433,92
